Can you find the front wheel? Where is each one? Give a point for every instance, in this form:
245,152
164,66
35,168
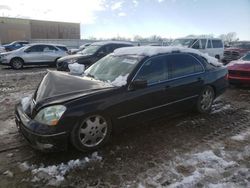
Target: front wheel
205,101
16,63
91,133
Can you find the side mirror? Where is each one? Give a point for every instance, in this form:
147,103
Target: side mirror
138,84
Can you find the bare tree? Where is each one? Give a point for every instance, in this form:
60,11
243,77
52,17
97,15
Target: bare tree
229,37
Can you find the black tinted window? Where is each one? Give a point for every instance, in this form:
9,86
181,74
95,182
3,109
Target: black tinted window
217,43
153,70
37,48
183,64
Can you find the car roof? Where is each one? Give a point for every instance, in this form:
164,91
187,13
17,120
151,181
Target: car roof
101,43
150,51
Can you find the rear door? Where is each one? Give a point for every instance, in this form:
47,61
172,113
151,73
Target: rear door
50,53
33,54
185,81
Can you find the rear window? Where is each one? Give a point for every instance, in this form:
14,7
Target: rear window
217,44
63,48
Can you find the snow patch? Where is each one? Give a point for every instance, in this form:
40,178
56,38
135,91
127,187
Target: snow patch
76,68
220,108
242,136
54,175
153,50
120,81
25,102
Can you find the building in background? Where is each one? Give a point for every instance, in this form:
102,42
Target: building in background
12,29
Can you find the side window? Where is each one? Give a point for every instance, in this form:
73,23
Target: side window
196,44
52,48
209,45
183,65
203,43
217,44
18,45
154,70
110,48
37,48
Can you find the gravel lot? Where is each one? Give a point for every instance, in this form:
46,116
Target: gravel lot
190,150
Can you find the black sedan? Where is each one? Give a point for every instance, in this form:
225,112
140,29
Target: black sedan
130,85
91,54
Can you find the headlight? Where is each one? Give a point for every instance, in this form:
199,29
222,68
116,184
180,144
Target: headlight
50,115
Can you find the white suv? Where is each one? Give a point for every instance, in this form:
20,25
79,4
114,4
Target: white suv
212,46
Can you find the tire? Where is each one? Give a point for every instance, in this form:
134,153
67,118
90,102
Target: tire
17,63
205,100
91,133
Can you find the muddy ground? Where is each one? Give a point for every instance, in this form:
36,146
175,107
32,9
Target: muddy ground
191,150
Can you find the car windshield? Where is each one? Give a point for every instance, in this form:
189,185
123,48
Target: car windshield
110,68
183,42
90,50
246,57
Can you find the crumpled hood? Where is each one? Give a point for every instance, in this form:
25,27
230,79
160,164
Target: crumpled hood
57,87
72,57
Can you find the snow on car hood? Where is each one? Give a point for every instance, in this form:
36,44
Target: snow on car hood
153,50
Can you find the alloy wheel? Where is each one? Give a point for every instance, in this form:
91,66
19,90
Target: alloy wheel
17,64
93,131
207,99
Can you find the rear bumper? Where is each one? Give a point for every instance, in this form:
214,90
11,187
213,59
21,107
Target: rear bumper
43,142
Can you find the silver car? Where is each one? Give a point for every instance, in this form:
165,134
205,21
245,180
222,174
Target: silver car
32,54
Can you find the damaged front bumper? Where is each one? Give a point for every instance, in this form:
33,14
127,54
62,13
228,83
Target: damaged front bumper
40,141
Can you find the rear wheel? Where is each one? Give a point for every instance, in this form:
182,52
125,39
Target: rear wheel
17,63
91,133
205,101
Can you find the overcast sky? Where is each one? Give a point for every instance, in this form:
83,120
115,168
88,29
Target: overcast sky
127,18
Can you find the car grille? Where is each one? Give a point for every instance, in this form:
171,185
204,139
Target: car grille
239,73
233,55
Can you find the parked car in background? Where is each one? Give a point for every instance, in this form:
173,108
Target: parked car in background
212,46
236,51
239,70
134,84
91,54
32,54
82,47
15,45
2,49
